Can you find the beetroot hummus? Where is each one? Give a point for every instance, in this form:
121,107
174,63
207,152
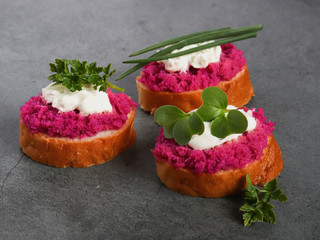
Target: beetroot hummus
40,117
230,155
156,78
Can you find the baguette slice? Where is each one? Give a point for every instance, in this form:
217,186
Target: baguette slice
77,153
239,91
226,182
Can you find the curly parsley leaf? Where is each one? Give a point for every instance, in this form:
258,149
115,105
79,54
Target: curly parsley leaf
73,74
257,206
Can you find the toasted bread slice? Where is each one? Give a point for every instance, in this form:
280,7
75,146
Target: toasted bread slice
226,182
78,153
239,91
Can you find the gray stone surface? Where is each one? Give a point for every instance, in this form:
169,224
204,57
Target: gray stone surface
124,198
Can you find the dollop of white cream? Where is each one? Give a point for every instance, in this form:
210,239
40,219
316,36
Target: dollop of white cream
206,140
199,59
87,101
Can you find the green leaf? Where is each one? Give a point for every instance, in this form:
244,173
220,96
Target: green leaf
186,127
251,196
178,124
215,102
52,77
283,198
258,215
220,127
208,112
168,131
182,132
215,97
266,197
92,68
268,214
248,218
247,207
237,121
168,115
113,71
271,186
195,123
53,67
106,70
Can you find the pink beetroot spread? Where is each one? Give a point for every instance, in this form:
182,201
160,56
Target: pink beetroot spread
156,78
230,155
40,117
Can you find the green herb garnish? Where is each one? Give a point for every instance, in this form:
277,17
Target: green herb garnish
182,126
73,74
178,124
222,35
257,206
174,40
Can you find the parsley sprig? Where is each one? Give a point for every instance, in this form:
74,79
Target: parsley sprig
73,74
182,126
257,205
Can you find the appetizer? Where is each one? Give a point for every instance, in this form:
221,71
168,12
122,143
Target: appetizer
209,151
77,121
177,74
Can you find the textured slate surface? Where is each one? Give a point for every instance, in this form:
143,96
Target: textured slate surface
124,198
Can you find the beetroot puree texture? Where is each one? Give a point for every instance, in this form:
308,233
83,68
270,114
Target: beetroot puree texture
230,155
41,117
156,78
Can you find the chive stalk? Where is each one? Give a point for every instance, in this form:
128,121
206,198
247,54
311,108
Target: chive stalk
195,49
173,40
225,35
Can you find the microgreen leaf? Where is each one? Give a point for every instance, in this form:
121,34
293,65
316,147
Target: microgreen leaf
215,102
238,123
195,123
208,112
168,115
220,127
73,74
260,210
215,97
168,131
182,132
235,122
186,127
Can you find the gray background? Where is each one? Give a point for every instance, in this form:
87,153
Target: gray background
124,198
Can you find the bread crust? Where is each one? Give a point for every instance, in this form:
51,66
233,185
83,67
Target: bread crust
239,91
77,153
226,182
